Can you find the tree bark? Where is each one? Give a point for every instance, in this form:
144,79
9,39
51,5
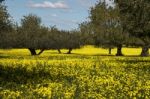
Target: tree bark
32,51
145,51
59,51
41,51
109,50
119,50
69,52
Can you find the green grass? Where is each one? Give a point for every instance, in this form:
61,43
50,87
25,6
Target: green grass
88,73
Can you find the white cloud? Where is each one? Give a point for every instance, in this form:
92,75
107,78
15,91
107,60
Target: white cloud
90,3
48,4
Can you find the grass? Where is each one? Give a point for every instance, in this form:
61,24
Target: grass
88,73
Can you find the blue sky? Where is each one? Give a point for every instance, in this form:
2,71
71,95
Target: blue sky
65,14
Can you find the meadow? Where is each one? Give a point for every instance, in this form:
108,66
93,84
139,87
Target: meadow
88,73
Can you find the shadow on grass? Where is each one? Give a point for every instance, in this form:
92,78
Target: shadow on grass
2,56
134,61
20,75
79,54
63,56
124,58
25,81
102,55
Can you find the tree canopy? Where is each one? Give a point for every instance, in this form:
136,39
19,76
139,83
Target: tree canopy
108,28
5,27
135,17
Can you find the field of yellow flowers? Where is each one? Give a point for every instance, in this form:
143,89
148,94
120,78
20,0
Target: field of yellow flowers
88,73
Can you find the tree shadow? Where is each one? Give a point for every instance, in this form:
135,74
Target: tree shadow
25,81
132,56
111,55
4,56
21,75
79,54
129,61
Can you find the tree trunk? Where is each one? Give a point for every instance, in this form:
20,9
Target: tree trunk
69,52
109,50
119,50
59,51
145,51
32,51
41,51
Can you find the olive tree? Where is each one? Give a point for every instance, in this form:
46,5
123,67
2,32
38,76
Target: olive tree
108,29
135,17
71,40
5,27
30,33
86,33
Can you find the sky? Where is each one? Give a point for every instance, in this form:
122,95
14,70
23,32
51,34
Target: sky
65,14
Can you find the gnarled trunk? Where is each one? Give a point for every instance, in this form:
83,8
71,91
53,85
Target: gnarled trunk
145,51
109,50
32,51
119,50
69,52
41,51
59,51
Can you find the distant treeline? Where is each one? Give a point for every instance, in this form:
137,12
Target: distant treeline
123,24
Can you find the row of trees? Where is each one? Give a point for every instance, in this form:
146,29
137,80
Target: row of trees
32,35
126,23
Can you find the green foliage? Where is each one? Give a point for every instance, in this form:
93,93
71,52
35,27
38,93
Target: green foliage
86,33
5,27
70,40
73,39
30,31
56,38
34,36
107,26
135,18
